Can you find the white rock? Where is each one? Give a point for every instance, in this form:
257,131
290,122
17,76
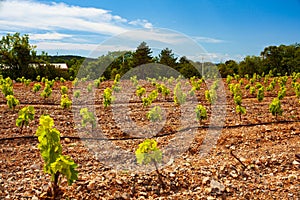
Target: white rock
217,185
295,162
119,181
67,140
34,198
205,180
34,167
234,174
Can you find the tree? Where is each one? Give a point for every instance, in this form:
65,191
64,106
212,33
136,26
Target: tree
142,55
228,68
166,57
15,55
282,59
250,65
187,69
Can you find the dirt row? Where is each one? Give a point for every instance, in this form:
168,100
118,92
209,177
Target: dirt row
254,158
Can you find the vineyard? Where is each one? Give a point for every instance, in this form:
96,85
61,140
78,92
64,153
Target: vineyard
45,126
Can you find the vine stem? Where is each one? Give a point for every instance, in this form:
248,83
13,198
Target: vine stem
231,153
159,175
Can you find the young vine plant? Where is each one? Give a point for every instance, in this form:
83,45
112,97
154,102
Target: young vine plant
147,153
36,87
260,93
179,95
47,91
155,114
147,101
201,113
76,93
12,102
55,163
107,97
140,91
65,102
25,115
64,90
87,117
275,107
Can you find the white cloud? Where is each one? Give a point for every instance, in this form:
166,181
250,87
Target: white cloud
32,15
141,22
79,28
95,49
215,57
65,46
49,36
207,39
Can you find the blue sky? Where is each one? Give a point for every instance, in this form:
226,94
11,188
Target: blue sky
225,29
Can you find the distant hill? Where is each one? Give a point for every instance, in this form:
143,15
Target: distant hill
64,58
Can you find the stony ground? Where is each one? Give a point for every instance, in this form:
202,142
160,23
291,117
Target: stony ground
255,158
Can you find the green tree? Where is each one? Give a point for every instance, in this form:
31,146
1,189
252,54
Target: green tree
15,55
166,57
230,67
250,65
282,59
187,68
142,55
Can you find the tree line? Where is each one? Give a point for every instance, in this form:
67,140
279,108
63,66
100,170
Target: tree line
18,58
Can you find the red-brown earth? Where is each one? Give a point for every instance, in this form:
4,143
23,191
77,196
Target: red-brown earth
252,158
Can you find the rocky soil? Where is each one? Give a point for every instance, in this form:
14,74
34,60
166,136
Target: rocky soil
255,158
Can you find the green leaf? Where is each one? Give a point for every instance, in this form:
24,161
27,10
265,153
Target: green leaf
65,166
155,114
25,115
201,113
148,152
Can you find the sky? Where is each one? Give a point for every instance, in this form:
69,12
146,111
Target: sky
223,29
